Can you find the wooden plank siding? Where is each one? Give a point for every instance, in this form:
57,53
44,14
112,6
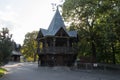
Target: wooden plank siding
57,59
53,50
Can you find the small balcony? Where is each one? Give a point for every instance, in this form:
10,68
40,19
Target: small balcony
54,50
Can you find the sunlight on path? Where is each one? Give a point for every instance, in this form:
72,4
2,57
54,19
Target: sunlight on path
12,65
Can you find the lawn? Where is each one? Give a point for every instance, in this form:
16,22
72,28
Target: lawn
2,71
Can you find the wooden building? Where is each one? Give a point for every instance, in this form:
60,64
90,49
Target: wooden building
15,56
55,45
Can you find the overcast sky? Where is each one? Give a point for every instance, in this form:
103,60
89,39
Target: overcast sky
22,16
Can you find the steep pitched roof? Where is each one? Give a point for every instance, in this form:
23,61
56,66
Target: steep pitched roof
56,24
44,31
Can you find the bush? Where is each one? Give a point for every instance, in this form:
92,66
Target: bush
2,71
5,51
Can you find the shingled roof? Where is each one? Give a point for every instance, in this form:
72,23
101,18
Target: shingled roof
56,24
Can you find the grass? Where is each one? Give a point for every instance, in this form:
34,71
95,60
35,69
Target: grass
2,71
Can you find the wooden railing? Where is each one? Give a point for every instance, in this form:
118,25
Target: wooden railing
57,50
98,66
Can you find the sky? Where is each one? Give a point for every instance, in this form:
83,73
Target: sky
23,16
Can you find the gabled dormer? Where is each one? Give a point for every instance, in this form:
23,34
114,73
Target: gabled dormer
40,34
62,33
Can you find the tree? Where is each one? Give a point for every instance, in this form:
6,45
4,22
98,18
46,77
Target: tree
5,46
30,46
97,22
82,13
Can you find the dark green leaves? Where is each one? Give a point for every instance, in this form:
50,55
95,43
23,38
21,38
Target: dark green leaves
98,24
5,46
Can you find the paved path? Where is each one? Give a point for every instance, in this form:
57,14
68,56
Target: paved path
30,71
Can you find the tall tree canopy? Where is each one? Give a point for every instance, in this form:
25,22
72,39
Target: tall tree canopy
97,22
30,46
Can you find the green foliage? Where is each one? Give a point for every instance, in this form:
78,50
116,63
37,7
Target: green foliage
98,26
2,71
30,46
5,46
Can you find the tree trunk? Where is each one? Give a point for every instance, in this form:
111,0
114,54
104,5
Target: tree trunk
34,57
113,53
93,52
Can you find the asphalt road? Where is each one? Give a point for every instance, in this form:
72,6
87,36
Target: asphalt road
30,71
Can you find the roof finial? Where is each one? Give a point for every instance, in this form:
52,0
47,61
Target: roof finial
53,6
56,5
